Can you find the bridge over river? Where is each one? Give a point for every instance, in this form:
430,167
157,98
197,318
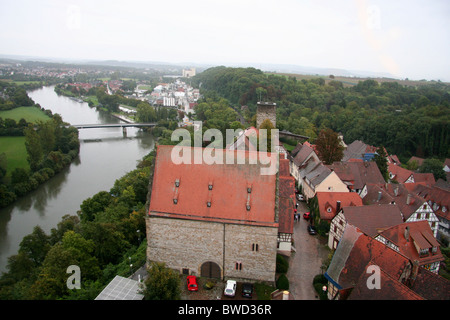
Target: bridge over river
124,126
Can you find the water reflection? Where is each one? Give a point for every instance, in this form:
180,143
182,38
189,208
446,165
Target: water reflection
105,155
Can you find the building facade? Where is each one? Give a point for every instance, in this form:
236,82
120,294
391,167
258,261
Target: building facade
213,220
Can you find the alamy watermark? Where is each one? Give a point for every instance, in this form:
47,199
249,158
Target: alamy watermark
214,153
74,281
374,280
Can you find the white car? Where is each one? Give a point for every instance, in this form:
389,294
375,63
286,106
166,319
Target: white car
300,197
230,288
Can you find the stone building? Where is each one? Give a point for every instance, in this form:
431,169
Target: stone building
213,220
266,110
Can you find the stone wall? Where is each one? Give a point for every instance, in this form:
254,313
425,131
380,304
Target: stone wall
266,110
187,244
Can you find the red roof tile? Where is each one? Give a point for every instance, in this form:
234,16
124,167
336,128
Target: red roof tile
328,202
420,236
286,198
354,253
228,197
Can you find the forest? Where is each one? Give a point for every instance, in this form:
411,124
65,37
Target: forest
407,120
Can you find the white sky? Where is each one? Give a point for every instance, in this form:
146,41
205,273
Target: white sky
405,38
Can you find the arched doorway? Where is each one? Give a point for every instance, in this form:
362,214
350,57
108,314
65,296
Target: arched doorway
210,269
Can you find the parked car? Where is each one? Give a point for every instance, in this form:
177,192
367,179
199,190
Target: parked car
311,229
192,283
300,197
230,288
306,215
247,290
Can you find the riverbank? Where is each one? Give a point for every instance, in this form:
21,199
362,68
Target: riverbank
103,158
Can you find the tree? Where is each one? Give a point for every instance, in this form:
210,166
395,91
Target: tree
329,147
35,245
266,135
162,283
72,250
145,112
382,164
34,148
434,166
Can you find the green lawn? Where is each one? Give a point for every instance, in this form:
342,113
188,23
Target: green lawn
30,114
16,153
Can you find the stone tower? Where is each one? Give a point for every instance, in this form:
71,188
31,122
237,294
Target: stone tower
266,110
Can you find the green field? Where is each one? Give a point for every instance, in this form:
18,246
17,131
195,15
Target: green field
30,114
16,153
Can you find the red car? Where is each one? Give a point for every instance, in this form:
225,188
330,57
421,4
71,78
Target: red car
306,215
192,283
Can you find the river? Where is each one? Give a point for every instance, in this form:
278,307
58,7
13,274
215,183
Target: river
105,155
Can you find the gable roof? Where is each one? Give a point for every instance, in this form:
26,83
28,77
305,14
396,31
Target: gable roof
399,174
228,197
328,202
358,174
357,150
438,197
431,286
390,289
302,153
418,236
355,252
373,219
377,195
407,201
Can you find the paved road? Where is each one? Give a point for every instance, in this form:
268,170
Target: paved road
305,263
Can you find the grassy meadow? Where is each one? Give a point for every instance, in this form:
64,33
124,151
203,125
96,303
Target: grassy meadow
14,147
16,153
30,114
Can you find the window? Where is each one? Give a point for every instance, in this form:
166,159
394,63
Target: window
255,247
238,266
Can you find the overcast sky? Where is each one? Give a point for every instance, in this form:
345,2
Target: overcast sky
404,38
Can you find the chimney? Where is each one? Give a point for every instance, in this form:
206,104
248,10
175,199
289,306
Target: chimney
285,295
408,199
407,234
338,206
396,191
415,270
379,196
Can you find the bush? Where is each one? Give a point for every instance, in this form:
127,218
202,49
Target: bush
318,282
283,282
282,264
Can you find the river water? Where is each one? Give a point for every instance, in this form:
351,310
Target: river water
105,155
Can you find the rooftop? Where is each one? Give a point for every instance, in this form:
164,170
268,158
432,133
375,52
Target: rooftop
233,193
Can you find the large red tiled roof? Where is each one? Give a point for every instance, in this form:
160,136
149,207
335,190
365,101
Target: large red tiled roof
228,197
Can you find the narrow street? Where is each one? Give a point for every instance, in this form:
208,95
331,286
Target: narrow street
305,263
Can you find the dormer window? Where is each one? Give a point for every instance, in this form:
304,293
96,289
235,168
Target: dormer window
329,209
208,204
248,207
175,201
210,186
249,188
177,183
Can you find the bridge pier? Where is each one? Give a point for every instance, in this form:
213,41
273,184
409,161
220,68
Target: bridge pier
124,132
